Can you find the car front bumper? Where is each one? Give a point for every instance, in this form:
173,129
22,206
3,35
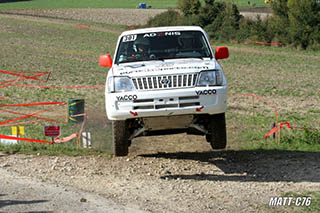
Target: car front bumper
197,100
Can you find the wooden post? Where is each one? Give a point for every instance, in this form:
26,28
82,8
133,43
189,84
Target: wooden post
252,105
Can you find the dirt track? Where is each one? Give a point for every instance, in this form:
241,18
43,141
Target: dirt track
184,181
172,174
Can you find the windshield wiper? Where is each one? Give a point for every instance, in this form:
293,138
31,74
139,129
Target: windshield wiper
182,57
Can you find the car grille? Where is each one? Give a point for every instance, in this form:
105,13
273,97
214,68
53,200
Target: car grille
165,81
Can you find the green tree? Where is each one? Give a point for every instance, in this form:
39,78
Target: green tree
189,7
168,18
304,18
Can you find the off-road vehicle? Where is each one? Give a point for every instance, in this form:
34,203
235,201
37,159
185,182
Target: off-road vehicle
165,80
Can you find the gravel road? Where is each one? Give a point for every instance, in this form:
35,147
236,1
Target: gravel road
20,193
185,181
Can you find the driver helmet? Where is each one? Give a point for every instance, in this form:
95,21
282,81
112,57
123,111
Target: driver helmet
186,40
141,45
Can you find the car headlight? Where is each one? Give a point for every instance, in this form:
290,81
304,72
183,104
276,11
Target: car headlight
116,84
210,78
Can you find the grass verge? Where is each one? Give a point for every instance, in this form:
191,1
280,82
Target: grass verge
37,4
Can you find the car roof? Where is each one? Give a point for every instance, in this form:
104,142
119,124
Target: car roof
163,29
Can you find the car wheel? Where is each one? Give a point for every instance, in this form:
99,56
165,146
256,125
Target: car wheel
217,132
120,135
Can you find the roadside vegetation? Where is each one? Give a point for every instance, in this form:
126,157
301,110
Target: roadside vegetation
293,23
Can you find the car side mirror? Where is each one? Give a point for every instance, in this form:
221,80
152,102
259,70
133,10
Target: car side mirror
105,60
221,53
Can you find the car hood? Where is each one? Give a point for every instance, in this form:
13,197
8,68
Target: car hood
163,67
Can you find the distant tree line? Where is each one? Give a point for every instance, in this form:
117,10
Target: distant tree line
293,22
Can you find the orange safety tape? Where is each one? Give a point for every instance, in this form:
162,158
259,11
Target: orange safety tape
34,104
9,82
22,123
34,77
23,139
26,116
287,124
266,102
20,76
31,115
83,26
65,139
304,128
259,42
56,140
276,128
40,118
266,44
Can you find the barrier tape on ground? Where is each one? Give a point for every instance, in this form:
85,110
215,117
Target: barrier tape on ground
55,140
276,128
23,139
21,75
9,83
33,104
40,118
29,115
259,42
83,26
286,124
22,123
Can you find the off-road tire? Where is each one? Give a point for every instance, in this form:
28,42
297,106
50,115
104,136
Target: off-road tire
120,135
217,136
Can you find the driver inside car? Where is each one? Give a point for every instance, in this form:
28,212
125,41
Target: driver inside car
141,48
186,41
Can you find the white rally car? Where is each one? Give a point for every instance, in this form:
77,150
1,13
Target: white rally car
165,80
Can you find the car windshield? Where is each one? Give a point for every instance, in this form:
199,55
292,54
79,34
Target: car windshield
162,45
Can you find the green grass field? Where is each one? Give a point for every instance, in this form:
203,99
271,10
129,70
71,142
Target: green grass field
286,78
86,4
34,4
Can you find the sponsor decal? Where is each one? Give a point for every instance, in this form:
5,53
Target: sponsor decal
149,35
128,38
172,33
206,92
166,69
127,98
